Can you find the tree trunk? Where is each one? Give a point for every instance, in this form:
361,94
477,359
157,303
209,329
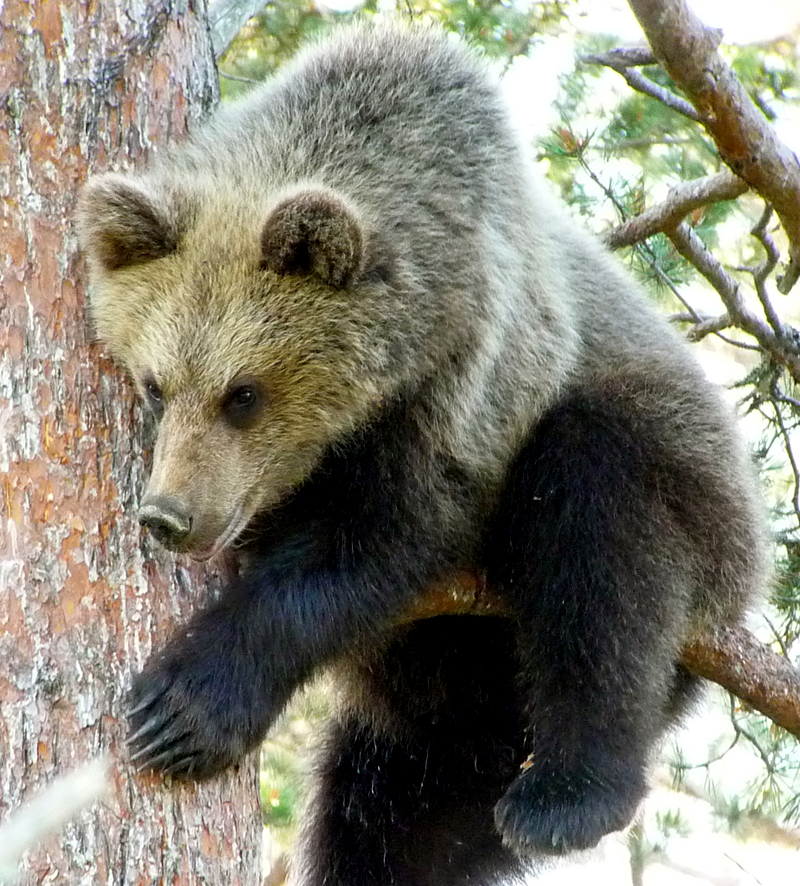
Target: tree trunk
83,600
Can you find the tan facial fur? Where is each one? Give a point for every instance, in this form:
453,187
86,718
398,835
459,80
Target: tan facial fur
197,324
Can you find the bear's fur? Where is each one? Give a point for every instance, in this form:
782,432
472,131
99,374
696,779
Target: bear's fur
379,353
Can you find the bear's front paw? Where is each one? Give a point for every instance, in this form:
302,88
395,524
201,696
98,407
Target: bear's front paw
558,812
188,717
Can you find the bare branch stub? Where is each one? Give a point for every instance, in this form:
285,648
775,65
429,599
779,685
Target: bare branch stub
682,199
709,326
746,142
226,18
624,57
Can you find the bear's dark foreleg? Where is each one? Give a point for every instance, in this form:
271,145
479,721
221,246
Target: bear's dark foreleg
404,794
591,558
330,569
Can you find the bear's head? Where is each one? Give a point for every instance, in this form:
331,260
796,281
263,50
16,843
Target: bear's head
251,340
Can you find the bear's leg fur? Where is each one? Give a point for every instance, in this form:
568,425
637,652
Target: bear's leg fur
407,801
592,555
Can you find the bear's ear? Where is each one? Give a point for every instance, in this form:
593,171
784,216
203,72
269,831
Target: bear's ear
120,223
314,232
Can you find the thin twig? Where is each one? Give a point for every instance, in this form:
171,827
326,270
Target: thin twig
250,80
776,636
626,144
684,767
638,81
787,445
763,271
740,730
789,401
702,325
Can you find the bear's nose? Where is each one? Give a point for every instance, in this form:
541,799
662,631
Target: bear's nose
167,519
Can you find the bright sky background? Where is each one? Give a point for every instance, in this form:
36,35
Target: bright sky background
736,17
742,21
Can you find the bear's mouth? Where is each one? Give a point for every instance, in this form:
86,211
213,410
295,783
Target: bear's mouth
235,526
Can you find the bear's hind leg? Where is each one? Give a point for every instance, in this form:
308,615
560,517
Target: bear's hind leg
597,568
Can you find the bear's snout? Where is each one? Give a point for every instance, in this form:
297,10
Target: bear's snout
167,519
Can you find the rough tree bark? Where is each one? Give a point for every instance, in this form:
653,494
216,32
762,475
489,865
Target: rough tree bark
83,86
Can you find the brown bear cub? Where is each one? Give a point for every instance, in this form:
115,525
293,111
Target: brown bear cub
379,352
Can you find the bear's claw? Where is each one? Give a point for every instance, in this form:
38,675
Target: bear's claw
187,717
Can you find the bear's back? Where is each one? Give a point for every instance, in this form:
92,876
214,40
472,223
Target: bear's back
382,103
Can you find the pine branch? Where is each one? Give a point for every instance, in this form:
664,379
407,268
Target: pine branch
731,657
687,50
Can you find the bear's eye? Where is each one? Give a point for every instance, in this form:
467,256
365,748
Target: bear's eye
242,404
153,391
154,396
